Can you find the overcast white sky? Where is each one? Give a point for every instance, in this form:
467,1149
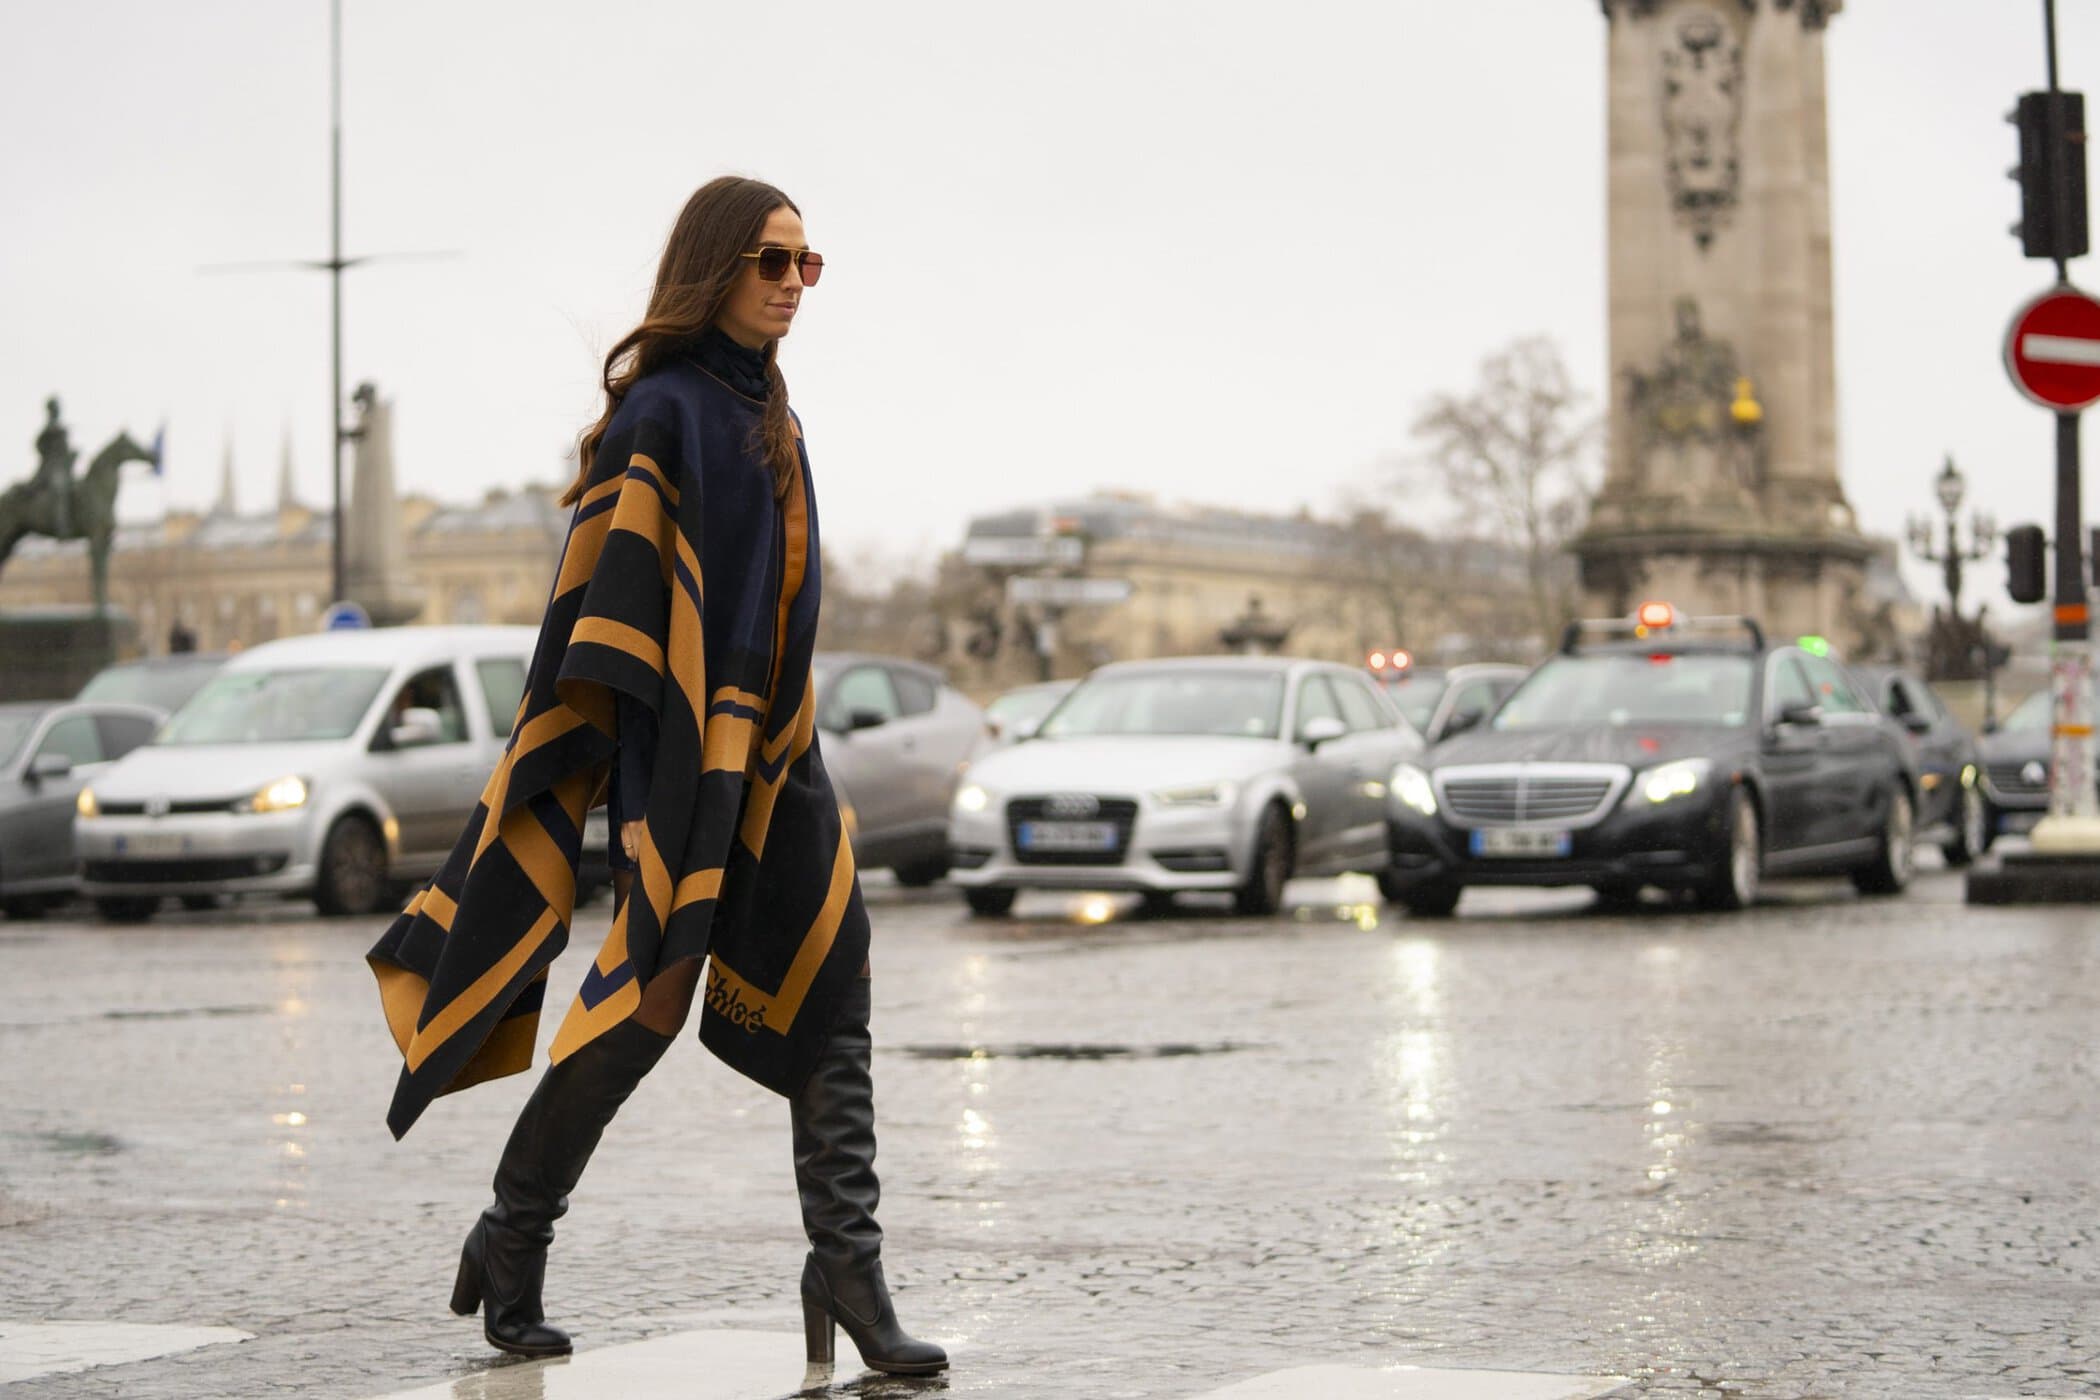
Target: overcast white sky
1214,250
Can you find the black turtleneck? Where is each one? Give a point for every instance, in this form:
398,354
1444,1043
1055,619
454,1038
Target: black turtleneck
742,369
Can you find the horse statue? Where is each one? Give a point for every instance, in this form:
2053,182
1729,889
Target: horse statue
53,503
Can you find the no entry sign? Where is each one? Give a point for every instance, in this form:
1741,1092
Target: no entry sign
2052,350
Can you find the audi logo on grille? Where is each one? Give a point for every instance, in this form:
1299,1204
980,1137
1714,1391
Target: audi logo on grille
1071,804
157,806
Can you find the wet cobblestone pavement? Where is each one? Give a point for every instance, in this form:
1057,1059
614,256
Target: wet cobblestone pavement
1831,1147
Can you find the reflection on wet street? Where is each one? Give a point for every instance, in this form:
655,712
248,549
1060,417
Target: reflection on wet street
1831,1146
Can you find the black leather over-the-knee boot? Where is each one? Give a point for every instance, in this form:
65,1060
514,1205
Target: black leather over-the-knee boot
505,1259
842,1285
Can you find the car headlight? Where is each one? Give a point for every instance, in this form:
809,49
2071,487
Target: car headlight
280,796
1197,795
86,805
1412,786
1674,780
971,798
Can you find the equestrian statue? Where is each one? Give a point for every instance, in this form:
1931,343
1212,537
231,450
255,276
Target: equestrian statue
52,502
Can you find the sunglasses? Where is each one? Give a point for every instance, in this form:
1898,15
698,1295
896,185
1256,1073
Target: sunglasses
773,264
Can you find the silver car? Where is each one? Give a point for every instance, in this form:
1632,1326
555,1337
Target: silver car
1207,773
48,751
896,740
336,766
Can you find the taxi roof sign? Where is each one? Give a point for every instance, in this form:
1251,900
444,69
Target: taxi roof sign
1644,622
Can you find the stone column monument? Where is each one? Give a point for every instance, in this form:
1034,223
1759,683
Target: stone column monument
375,551
1721,490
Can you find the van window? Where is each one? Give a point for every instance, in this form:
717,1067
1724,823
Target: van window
435,689
1359,707
502,686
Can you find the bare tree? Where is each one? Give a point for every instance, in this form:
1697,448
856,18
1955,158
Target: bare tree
1514,456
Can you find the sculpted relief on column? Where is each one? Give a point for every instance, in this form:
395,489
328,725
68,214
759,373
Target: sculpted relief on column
1702,117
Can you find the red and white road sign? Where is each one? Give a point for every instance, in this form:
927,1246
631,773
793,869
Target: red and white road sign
2052,350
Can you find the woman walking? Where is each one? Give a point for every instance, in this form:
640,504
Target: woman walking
672,679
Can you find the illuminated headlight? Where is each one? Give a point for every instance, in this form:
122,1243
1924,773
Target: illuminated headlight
280,796
972,798
1674,780
86,805
1199,795
1412,786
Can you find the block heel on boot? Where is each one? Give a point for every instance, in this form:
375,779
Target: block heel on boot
466,1287
819,1334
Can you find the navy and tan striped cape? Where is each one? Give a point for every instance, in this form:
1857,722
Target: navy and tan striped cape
686,584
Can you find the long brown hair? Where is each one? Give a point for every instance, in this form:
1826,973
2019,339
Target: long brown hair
724,217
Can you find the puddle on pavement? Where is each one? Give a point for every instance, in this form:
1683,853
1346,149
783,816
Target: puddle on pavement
1170,1050
78,1144
184,1013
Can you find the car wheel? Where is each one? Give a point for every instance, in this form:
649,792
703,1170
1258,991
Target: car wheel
1889,871
128,908
1391,888
1433,901
1156,904
353,868
1734,885
1262,893
991,901
200,902
918,874
1971,823
27,907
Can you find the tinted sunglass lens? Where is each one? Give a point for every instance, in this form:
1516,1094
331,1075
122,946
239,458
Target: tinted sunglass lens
773,263
812,269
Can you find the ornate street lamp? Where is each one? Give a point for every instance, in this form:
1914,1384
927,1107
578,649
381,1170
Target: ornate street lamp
1959,646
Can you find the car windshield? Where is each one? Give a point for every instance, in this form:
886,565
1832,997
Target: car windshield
1417,698
1021,706
2033,715
1244,704
162,687
14,729
276,707
1620,689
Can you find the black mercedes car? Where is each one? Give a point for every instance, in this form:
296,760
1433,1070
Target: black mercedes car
1683,753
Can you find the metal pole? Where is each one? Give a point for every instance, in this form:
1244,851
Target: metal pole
335,283
2073,823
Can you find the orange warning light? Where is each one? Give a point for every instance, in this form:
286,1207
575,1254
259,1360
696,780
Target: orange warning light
1656,615
1377,661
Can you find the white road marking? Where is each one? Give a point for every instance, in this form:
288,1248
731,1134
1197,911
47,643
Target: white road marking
709,1365
2060,350
1415,1383
32,1349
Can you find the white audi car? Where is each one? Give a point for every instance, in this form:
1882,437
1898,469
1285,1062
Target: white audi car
1225,774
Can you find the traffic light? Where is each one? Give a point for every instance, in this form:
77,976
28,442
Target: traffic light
2051,173
2026,564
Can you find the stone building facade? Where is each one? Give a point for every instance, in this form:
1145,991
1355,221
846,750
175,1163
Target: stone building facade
236,579
1198,577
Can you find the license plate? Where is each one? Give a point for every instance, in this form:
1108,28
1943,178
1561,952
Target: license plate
1067,836
1534,844
153,843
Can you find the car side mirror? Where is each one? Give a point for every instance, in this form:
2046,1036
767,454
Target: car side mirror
417,726
865,719
1990,726
1320,730
47,766
1917,724
1801,714
1027,728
